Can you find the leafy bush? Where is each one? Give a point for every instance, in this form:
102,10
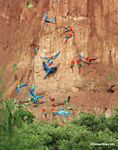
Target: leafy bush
92,122
85,133
113,121
11,117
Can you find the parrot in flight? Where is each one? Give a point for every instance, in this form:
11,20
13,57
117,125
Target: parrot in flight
62,112
34,96
51,59
49,70
88,60
47,20
19,86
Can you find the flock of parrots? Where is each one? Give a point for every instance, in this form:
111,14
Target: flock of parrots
48,61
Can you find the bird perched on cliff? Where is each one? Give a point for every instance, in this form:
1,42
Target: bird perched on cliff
49,70
52,99
36,50
51,59
67,29
67,37
19,86
35,97
79,64
47,20
72,62
67,101
62,112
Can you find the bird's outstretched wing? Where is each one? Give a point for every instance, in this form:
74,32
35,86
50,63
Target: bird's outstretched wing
56,55
32,93
45,66
23,85
52,20
85,62
33,88
46,58
39,97
46,17
92,59
69,97
46,76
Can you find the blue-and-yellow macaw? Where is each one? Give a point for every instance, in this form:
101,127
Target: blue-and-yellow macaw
34,96
47,20
51,59
49,70
19,86
62,112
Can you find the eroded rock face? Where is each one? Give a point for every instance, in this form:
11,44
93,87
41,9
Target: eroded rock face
90,22
95,24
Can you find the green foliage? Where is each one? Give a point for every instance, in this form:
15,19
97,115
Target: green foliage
87,132
11,117
46,136
92,122
113,121
2,71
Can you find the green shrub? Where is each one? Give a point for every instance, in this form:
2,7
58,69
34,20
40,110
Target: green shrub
92,122
113,121
81,134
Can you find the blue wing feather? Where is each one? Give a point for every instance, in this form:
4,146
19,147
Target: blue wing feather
46,17
45,76
56,55
39,97
33,88
46,58
64,113
17,89
32,93
23,85
45,66
52,20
